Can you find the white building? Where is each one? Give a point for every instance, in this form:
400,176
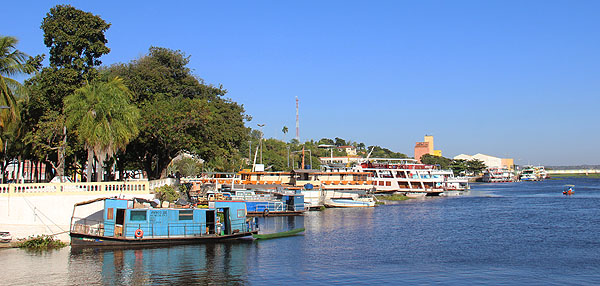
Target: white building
489,161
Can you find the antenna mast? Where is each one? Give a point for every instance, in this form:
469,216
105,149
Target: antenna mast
297,122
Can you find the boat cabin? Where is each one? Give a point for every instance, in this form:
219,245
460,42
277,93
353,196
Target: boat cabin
128,219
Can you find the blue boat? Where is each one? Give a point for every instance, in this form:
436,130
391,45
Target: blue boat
136,222
270,202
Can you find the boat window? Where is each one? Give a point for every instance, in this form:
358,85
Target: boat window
137,216
186,215
109,214
241,213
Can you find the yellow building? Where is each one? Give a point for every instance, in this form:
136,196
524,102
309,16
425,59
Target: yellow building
426,147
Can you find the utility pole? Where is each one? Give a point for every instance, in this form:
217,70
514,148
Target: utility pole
249,149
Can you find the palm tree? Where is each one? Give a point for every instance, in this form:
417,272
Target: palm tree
103,118
285,131
12,62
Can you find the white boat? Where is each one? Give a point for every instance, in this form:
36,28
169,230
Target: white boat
498,175
5,236
451,182
529,174
349,202
406,176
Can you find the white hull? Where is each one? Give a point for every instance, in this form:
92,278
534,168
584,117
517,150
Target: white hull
348,203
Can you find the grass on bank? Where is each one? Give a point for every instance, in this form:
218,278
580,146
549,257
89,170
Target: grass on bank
593,175
41,242
393,198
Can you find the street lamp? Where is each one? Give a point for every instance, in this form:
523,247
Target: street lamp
261,143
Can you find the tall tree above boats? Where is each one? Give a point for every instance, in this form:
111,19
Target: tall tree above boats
12,62
76,41
103,119
180,112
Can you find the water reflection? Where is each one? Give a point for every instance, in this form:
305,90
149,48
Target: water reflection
207,264
218,263
527,233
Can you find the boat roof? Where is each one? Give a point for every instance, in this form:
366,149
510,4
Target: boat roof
393,160
92,201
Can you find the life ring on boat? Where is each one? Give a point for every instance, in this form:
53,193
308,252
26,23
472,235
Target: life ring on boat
138,233
266,212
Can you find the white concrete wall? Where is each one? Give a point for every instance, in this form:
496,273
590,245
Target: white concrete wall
34,209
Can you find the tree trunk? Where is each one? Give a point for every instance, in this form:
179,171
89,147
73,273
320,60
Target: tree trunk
60,170
90,162
19,170
99,170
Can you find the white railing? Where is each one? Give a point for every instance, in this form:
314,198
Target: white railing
137,187
161,182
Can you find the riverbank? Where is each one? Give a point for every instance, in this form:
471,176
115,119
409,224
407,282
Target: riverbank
579,175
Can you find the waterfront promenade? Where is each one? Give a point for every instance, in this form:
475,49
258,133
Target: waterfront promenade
46,208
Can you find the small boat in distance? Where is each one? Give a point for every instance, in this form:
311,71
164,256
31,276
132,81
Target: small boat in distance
569,190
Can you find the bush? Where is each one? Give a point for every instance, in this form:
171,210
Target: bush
167,193
41,242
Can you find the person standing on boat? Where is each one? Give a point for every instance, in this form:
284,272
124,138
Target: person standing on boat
219,225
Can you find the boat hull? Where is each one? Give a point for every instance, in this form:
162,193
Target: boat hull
86,240
341,203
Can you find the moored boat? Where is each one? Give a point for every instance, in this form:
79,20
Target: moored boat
270,202
349,202
405,176
498,175
131,223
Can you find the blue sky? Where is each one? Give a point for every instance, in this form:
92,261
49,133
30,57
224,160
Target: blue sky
516,79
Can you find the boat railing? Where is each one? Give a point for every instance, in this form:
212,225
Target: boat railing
151,230
87,226
254,197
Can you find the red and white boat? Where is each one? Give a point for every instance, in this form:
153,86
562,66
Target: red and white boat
406,176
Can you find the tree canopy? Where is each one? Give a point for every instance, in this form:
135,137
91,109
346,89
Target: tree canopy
76,39
103,118
12,62
179,113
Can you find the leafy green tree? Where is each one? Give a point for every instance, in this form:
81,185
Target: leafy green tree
12,62
285,131
458,166
326,141
166,193
103,118
443,162
76,42
187,167
475,166
379,152
340,142
180,113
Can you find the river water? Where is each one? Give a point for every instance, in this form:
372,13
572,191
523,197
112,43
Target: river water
510,234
